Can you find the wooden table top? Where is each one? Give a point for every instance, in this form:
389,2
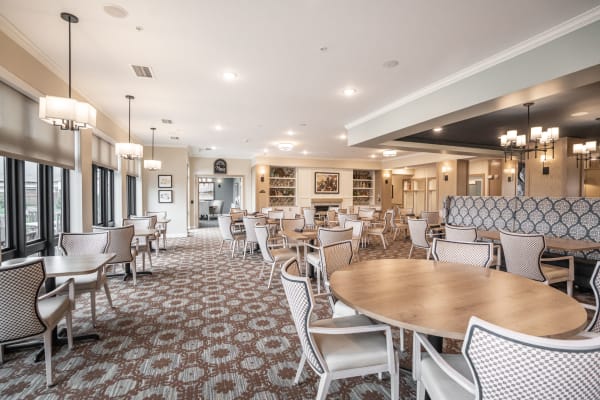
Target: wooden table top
305,235
551,242
438,298
69,265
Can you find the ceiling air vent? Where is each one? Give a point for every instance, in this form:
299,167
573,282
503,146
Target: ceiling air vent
142,72
167,121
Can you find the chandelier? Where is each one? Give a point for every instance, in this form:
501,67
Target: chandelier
538,141
67,113
583,152
129,151
152,165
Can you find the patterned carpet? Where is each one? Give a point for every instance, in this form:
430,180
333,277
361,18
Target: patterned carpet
203,326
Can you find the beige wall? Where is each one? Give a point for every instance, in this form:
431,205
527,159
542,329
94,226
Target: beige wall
564,177
174,163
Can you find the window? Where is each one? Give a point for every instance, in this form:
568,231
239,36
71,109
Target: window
131,195
33,207
32,201
103,196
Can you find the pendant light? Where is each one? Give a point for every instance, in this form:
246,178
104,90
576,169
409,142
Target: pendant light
152,165
129,151
67,113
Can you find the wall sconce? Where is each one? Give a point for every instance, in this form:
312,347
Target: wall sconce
545,168
510,171
386,175
262,174
445,170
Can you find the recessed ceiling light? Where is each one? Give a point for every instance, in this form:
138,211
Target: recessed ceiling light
342,136
579,114
390,64
265,150
285,146
304,152
438,129
230,76
349,92
218,127
389,153
213,147
373,156
115,11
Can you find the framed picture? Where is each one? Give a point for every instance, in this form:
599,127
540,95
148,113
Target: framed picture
165,196
165,181
206,191
327,182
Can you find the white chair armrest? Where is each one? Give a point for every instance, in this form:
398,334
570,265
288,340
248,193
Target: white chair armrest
439,360
571,260
350,329
588,306
323,294
69,282
317,248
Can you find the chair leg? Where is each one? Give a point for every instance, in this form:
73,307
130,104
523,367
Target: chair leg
318,271
411,250
428,253
300,368
149,249
245,246
133,268
1,354
383,241
271,276
48,357
570,288
93,305
402,347
221,247
69,319
323,386
395,383
107,291
233,246
420,390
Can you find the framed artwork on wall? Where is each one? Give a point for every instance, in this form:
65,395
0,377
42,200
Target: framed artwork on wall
165,181
165,196
220,166
327,183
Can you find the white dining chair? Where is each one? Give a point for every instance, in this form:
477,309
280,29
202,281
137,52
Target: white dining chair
325,236
497,363
273,253
418,236
337,348
523,256
250,238
81,244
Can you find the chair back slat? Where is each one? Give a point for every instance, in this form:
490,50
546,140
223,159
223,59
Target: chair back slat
299,295
262,237
461,233
510,365
418,232
290,224
594,325
478,254
119,242
73,244
335,256
523,254
328,235
249,225
19,288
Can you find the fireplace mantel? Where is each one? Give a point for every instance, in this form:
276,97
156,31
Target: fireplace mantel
327,200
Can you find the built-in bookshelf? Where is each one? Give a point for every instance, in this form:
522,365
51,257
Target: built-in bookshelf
282,186
363,187
420,194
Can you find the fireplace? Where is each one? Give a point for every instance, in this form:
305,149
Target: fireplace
323,204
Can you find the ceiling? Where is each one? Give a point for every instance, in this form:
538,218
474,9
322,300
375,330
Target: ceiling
574,111
293,60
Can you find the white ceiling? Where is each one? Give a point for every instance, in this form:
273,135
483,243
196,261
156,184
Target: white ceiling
285,80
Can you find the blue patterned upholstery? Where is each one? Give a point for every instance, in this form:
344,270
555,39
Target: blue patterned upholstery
566,217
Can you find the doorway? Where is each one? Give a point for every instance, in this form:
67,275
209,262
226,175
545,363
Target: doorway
217,196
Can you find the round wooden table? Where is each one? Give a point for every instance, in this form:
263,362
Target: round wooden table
438,298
